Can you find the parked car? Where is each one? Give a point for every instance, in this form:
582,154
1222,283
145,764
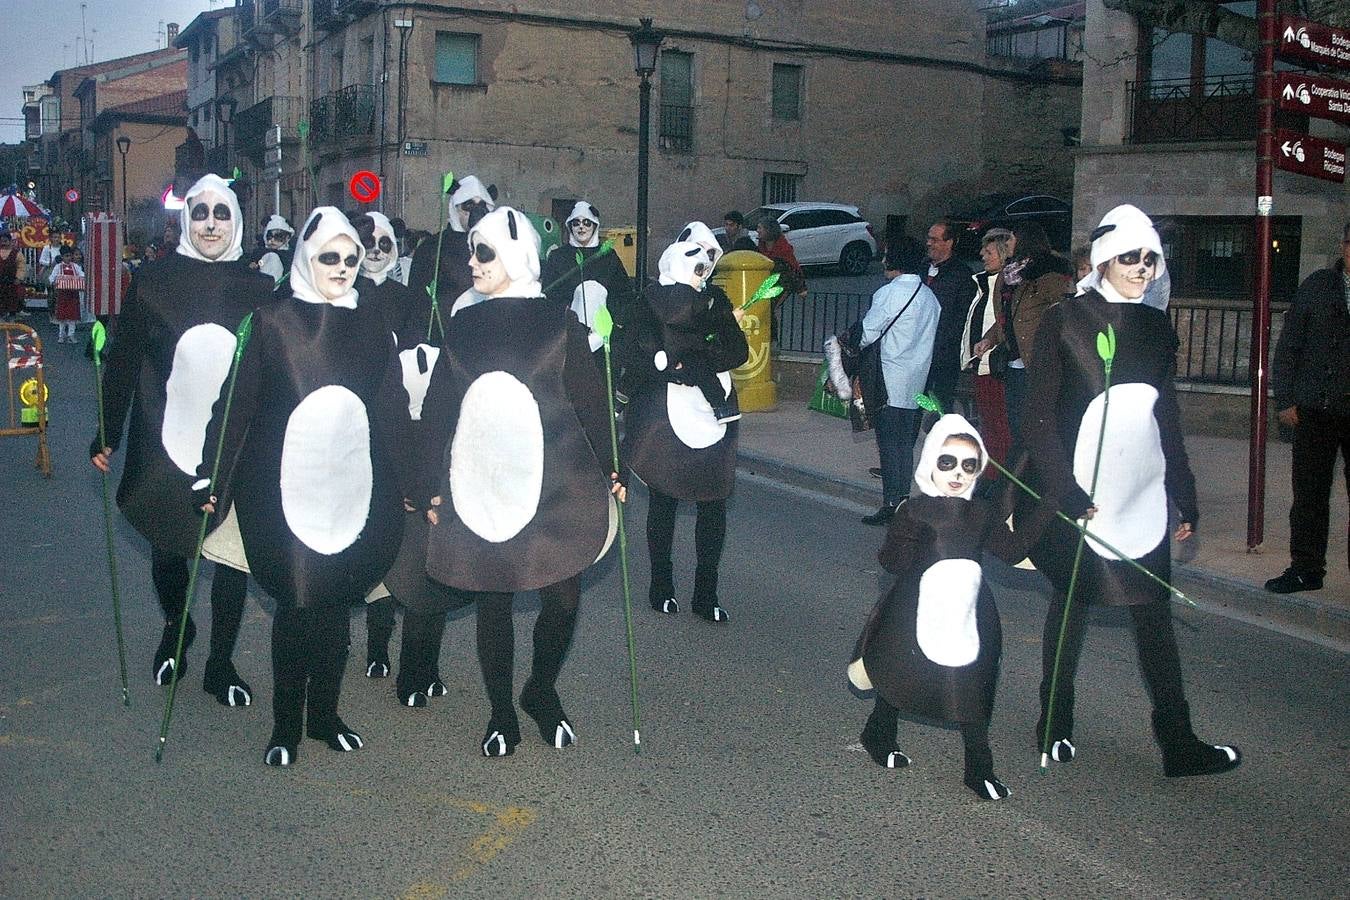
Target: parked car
1006,211
821,234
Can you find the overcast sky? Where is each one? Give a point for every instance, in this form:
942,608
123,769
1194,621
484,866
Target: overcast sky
45,35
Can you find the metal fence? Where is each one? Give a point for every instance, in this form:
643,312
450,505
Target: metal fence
1214,340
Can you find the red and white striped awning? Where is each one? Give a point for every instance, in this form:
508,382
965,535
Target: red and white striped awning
12,205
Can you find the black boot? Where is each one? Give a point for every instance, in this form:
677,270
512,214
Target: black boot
496,659
705,603
288,691
330,644
979,764
661,596
165,664
878,737
1184,754
552,635
379,629
222,681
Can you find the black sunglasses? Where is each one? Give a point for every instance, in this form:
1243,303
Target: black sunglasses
483,253
946,462
201,212
332,258
385,244
1132,258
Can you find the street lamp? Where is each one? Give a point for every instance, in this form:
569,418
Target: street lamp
646,47
123,145
225,107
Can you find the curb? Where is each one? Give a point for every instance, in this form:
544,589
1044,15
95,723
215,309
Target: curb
1299,615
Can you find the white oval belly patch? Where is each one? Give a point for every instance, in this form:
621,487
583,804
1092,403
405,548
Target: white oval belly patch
1131,496
201,363
326,475
945,625
497,457
587,298
691,417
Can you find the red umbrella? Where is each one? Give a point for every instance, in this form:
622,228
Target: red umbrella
12,205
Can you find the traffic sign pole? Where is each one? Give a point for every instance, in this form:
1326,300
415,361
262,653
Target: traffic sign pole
1268,29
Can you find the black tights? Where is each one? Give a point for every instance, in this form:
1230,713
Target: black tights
884,724
497,641
1159,661
710,534
309,654
228,588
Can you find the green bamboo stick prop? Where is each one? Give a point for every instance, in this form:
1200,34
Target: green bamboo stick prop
604,326
99,338
931,404
1106,349
768,289
447,181
606,247
241,336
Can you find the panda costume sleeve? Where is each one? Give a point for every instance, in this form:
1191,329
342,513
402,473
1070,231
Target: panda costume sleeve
673,440
319,507
516,430
377,289
169,361
1144,462
469,201
602,281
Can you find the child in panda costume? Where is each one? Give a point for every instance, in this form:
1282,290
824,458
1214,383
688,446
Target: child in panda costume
167,365
672,439
469,200
931,647
310,435
1143,467
275,260
514,431
600,281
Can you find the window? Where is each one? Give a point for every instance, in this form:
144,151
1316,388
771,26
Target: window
779,187
677,101
787,92
457,58
368,60
1212,256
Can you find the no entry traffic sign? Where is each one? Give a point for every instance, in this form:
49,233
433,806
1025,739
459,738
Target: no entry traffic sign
364,186
1307,155
72,196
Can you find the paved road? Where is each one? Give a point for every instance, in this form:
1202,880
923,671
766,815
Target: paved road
748,784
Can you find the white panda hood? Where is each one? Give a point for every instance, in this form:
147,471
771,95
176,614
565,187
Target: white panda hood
516,242
587,213
324,224
702,235
945,427
1121,230
383,228
279,223
468,188
678,262
219,190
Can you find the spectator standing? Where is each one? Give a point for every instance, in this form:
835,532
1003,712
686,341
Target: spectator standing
904,317
977,343
736,237
776,247
11,278
1311,379
948,279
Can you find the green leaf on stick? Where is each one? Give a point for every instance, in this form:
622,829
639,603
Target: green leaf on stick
242,334
1106,344
581,260
302,128
603,323
928,402
606,247
447,182
99,337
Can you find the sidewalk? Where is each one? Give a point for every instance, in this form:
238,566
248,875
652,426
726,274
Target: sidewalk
817,452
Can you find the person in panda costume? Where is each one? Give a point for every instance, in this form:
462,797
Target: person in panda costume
275,259
469,200
510,473
601,281
672,438
167,365
317,403
1143,468
931,647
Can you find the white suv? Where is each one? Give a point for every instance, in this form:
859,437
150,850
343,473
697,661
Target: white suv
822,234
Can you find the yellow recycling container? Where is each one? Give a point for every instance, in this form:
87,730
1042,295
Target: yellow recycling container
625,246
740,273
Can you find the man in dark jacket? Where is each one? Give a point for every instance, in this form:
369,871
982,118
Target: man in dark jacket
1311,378
949,279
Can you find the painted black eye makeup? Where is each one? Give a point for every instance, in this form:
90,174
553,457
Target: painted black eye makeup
201,212
332,258
483,253
946,462
385,244
1132,258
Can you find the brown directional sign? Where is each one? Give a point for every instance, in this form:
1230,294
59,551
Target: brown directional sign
1313,42
1313,95
1307,155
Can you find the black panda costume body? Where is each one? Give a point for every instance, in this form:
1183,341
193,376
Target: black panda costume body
378,290
313,484
167,365
672,439
1143,467
514,429
452,278
600,281
932,645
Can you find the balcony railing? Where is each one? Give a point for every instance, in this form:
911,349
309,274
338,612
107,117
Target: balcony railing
677,128
1218,108
349,112
252,123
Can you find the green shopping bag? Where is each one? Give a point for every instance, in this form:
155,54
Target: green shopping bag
823,401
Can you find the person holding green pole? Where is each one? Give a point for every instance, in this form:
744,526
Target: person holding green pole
1106,435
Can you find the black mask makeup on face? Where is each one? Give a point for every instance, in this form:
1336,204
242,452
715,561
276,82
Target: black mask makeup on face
200,212
280,237
1132,258
385,244
332,258
484,253
969,464
475,210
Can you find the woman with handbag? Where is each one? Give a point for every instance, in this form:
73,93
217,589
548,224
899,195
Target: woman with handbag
900,325
986,358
